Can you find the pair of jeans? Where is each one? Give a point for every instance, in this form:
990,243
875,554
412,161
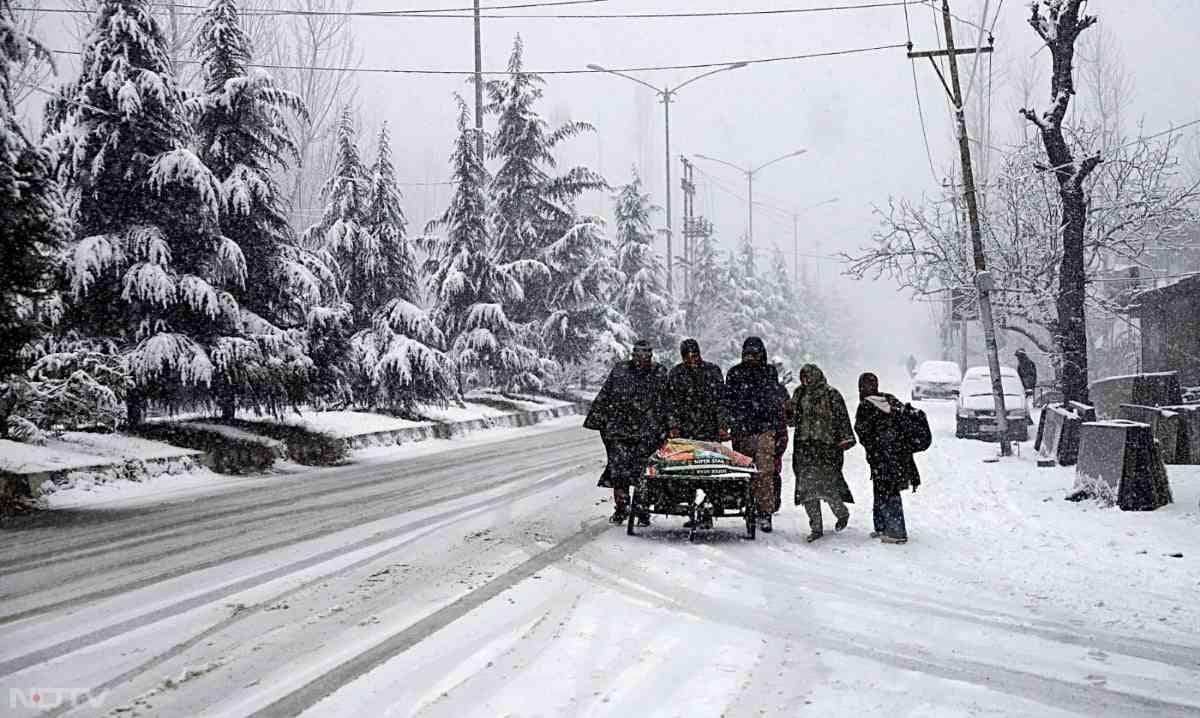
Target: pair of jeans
813,509
888,512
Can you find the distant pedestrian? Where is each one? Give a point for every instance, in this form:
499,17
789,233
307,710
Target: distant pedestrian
911,364
695,396
753,407
888,454
1027,370
629,413
823,435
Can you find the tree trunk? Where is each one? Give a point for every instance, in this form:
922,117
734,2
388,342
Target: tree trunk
135,410
1059,28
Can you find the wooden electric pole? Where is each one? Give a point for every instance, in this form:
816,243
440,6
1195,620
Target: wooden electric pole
983,279
478,86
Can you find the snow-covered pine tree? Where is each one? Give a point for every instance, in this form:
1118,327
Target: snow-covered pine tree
472,287
532,207
747,303
33,221
641,297
707,305
787,317
343,234
243,136
148,266
583,323
398,359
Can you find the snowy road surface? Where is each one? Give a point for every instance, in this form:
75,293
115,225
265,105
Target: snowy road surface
483,580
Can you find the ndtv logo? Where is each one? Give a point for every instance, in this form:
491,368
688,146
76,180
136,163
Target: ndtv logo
51,698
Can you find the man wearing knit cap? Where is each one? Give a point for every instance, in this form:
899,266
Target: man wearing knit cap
630,414
754,406
695,389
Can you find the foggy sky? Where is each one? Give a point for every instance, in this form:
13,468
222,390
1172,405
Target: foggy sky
855,115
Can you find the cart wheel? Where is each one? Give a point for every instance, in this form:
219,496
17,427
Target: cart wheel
751,512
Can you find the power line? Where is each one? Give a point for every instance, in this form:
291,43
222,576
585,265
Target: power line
647,68
455,13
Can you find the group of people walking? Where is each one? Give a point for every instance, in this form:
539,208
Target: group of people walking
641,404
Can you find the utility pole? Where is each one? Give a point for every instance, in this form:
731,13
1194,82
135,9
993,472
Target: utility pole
983,279
478,86
796,248
666,100
694,228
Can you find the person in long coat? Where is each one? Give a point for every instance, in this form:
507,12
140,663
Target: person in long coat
1027,370
753,405
823,434
629,413
695,395
892,467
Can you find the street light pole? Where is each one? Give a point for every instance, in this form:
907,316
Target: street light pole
665,95
750,172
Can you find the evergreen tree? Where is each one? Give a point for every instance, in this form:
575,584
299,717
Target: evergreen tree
344,236
582,320
397,357
747,303
641,297
33,222
472,286
241,123
149,268
707,305
532,206
787,317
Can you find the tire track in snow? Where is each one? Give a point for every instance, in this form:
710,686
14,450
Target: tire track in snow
339,481
339,524
297,701
1090,700
433,522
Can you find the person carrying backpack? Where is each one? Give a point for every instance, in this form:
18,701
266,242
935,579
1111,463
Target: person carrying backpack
890,432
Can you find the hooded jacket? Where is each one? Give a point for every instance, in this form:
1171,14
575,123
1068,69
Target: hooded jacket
892,465
753,401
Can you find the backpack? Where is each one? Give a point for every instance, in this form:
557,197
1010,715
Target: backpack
913,428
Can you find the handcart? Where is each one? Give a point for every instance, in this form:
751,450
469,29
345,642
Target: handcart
699,480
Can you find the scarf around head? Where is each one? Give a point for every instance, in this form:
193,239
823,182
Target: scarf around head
816,408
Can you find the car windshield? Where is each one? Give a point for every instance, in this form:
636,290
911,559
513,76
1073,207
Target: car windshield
939,371
982,386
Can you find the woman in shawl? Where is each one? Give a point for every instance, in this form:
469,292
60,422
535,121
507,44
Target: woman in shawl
823,433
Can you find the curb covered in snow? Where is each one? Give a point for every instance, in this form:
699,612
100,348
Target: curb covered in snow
449,430
187,459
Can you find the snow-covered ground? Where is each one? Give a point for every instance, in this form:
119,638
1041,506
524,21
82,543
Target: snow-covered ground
475,578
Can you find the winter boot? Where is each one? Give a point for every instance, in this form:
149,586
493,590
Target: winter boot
875,534
841,523
643,518
814,536
620,513
765,524
890,539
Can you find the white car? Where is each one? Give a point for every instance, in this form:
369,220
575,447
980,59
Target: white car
976,409
936,380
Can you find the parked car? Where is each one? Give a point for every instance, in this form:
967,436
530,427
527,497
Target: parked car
936,380
976,409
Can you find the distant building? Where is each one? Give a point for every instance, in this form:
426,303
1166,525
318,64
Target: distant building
1171,329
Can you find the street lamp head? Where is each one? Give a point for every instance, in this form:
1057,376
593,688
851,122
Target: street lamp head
596,68
738,65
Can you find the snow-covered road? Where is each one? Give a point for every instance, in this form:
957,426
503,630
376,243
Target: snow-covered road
483,580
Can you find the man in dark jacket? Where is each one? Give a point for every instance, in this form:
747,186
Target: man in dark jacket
629,414
892,465
1027,370
695,391
753,405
